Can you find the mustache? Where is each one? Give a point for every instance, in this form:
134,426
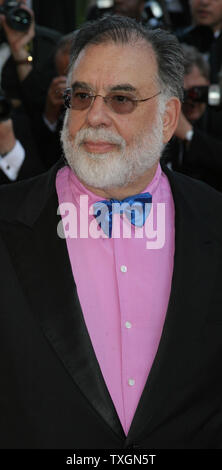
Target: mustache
99,135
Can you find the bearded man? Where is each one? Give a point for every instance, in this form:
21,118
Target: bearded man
110,266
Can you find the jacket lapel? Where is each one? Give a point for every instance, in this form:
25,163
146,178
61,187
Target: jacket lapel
195,263
55,304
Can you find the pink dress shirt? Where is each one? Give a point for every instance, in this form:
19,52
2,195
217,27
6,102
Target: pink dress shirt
124,290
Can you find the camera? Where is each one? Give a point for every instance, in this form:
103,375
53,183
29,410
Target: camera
211,95
5,107
17,17
154,14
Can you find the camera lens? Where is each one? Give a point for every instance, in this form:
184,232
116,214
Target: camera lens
19,19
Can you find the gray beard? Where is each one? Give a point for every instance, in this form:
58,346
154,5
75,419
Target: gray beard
117,168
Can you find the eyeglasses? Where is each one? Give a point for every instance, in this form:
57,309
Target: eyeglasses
119,103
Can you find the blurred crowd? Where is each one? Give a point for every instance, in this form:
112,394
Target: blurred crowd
35,44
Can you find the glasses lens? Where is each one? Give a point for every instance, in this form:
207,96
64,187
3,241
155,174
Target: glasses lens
81,100
121,104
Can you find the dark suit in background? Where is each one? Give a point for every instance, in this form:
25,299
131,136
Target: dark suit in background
53,394
202,157
59,15
179,19
48,141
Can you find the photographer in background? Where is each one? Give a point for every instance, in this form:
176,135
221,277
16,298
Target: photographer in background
19,158
27,67
196,147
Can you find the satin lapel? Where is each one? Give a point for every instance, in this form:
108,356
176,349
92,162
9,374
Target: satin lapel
195,264
39,254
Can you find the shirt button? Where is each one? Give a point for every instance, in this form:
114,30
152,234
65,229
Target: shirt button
8,167
131,382
123,269
128,324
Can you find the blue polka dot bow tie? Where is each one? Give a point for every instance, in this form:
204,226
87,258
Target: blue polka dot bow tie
136,208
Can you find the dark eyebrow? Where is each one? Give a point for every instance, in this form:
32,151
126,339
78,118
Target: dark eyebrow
123,87
119,87
81,85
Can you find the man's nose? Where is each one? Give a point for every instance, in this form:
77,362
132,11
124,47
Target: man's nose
99,113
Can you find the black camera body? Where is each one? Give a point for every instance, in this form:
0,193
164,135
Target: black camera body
5,107
17,18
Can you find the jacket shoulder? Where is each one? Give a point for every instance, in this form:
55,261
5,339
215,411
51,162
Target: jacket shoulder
198,199
27,196
190,186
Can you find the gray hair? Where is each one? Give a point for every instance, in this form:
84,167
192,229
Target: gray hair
119,29
192,57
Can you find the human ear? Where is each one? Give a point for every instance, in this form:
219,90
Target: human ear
170,118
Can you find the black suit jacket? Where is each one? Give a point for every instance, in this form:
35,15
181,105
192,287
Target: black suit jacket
52,392
201,158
